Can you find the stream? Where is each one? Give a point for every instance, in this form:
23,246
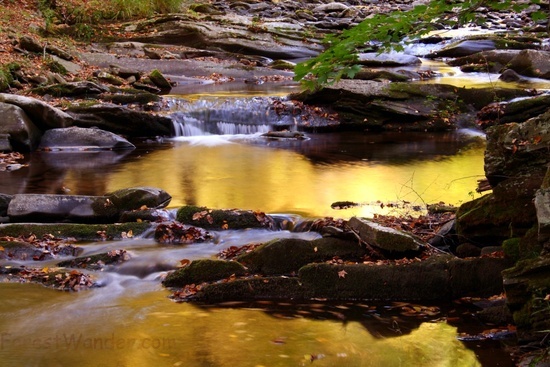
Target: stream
130,321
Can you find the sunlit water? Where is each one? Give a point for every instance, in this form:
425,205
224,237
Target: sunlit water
130,321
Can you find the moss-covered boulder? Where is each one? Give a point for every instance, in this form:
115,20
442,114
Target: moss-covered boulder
134,198
286,256
223,219
97,261
527,288
206,270
79,232
159,80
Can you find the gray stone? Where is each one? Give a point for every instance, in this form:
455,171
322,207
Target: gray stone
542,206
23,134
531,63
52,208
385,238
388,59
71,67
42,114
465,48
82,139
135,197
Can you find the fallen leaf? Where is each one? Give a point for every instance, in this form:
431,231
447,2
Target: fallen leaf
342,274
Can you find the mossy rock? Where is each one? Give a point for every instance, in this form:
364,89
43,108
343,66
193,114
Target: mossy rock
511,248
277,288
205,270
96,262
134,198
80,232
223,219
158,79
285,256
6,80
18,250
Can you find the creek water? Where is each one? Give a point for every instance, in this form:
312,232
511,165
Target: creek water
130,321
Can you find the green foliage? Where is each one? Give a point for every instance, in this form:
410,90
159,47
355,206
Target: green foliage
388,32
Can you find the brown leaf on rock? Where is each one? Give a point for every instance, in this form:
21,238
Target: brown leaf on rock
342,273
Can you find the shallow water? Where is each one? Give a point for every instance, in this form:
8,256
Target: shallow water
130,320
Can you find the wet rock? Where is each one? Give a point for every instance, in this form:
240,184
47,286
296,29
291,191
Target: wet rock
22,134
510,75
436,279
384,238
41,114
285,135
493,60
223,219
82,139
122,120
134,198
531,63
542,206
178,233
285,256
77,232
98,261
387,59
199,271
464,48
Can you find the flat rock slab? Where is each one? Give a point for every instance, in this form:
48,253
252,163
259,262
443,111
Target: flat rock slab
82,139
385,238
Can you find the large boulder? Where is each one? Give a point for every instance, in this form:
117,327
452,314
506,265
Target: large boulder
532,63
82,139
41,114
137,197
23,134
224,219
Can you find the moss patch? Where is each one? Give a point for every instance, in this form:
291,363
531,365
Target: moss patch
200,271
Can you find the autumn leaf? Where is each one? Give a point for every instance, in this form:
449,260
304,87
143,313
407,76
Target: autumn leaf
342,274
537,139
2,248
184,263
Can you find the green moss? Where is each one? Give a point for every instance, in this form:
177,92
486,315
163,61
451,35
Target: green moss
205,270
80,232
511,248
223,219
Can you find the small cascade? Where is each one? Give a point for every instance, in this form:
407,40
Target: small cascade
228,116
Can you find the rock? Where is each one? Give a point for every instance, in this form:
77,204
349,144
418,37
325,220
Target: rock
77,232
70,67
72,89
542,206
82,139
286,256
4,203
98,261
30,44
330,7
122,120
527,285
205,270
41,114
159,80
531,63
464,48
385,238
387,59
492,60
467,250
23,135
138,197
510,75
55,208
495,217
5,145
515,150
285,135
517,111
223,219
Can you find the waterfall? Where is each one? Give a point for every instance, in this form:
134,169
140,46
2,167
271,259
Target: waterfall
228,116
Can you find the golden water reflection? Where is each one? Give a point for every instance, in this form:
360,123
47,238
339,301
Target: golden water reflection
235,175
41,327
